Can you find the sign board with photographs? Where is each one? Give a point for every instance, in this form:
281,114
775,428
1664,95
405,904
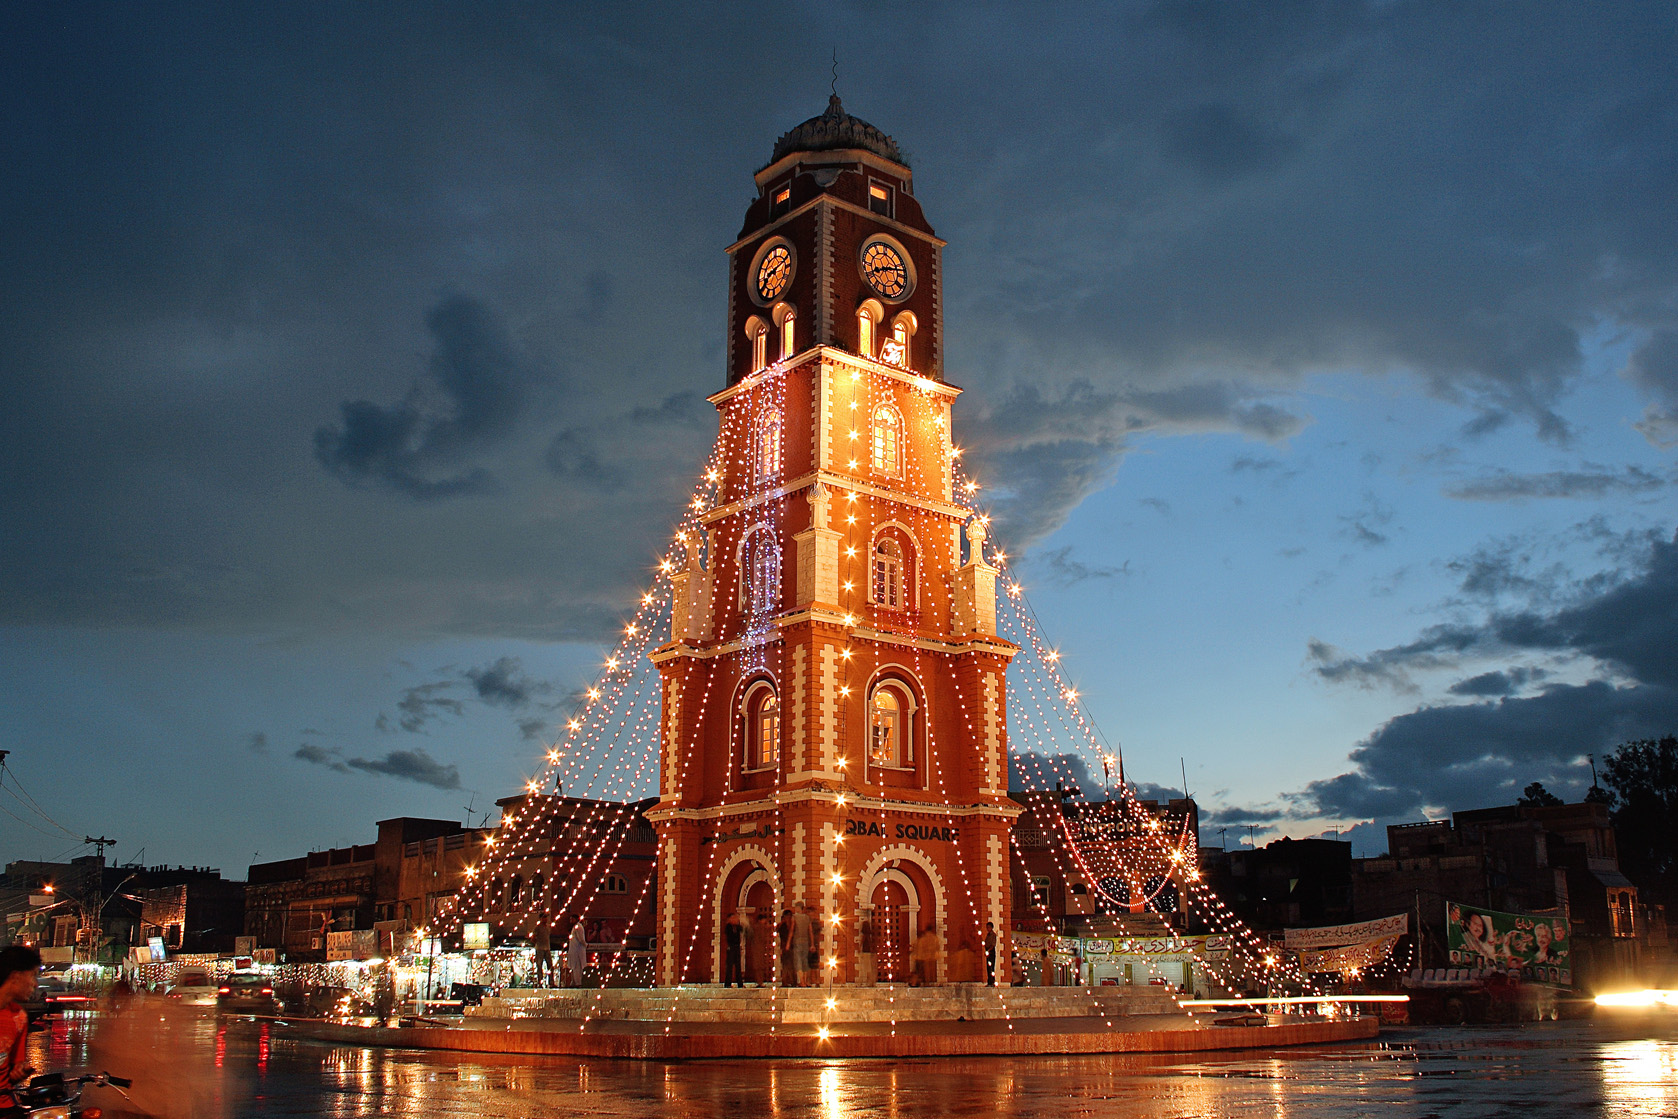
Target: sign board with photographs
1539,947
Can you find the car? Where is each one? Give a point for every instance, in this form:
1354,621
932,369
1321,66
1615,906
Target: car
325,1002
192,988
247,993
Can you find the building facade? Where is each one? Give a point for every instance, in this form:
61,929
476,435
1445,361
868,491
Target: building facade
834,690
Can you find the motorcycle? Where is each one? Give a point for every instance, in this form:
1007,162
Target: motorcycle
53,1095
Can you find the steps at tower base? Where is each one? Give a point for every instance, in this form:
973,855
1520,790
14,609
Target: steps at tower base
702,1003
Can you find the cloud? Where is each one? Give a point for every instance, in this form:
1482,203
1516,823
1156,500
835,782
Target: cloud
332,759
409,765
534,729
1064,571
1439,646
1502,683
257,742
1360,527
1470,755
1029,770
1653,367
505,684
473,393
1040,454
424,702
1461,755
1589,483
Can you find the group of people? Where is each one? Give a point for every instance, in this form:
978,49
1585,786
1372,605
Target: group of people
797,934
576,957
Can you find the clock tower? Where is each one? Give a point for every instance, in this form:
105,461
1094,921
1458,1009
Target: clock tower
833,732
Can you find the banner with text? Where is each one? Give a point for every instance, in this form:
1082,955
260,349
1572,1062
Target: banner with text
1331,936
1347,958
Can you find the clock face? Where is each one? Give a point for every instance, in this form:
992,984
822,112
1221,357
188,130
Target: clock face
883,268
774,272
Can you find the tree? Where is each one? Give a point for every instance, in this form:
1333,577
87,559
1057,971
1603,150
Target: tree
1537,796
1643,775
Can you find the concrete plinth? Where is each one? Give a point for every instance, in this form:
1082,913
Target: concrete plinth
672,1041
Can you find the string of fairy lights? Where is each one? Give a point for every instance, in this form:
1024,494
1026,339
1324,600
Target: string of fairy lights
610,748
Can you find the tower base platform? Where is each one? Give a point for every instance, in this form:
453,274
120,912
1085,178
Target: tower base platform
710,1003
692,1023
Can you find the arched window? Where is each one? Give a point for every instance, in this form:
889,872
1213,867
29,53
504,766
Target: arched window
885,584
888,442
763,726
767,453
897,349
760,565
760,344
518,889
891,712
788,348
865,332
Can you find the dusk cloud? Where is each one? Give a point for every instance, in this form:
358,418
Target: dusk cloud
409,765
1575,484
505,684
473,392
422,703
1458,755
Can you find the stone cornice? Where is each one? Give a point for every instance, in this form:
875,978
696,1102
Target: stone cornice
818,794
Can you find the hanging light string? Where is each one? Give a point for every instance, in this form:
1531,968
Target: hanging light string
1016,607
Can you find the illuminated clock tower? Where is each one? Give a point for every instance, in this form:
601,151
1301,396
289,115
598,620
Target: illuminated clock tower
834,696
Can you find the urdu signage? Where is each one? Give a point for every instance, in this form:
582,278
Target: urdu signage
887,829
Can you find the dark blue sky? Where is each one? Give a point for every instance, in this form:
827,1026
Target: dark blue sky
1321,363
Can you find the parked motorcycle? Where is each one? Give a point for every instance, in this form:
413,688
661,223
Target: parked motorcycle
55,1095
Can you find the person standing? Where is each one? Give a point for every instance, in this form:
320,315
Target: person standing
804,946
990,953
19,973
924,959
542,941
865,951
783,931
576,953
1045,977
733,948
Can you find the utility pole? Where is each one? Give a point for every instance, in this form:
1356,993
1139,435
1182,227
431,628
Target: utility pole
93,917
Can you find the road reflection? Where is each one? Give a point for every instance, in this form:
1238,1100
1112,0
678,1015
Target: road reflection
200,1066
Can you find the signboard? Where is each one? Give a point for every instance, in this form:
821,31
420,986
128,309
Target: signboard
890,830
266,955
1177,947
1347,957
244,945
158,952
474,934
1363,932
352,944
1538,946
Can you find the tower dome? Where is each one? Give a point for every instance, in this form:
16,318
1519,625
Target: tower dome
837,129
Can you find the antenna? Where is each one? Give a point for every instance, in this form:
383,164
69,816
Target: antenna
835,86
1183,766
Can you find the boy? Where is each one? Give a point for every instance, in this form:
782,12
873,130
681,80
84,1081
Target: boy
19,970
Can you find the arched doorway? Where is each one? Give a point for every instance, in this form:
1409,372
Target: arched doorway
893,913
757,906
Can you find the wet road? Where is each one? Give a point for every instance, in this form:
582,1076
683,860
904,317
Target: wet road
200,1066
